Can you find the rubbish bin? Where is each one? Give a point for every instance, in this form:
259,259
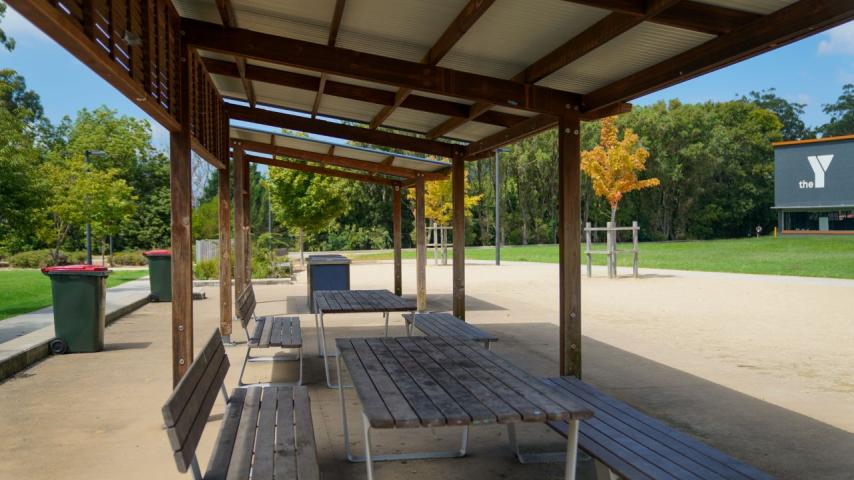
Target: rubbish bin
160,274
79,295
326,272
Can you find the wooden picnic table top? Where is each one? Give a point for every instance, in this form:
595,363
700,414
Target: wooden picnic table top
407,382
360,301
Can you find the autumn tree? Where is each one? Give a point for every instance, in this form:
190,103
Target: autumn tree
613,165
438,200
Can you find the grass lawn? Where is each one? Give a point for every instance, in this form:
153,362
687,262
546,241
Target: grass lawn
23,291
804,256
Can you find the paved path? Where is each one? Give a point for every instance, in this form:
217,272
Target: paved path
118,300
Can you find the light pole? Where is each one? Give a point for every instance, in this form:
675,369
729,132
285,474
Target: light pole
498,151
86,155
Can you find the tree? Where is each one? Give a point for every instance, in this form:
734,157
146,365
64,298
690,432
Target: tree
22,189
306,201
6,41
841,114
206,220
438,200
81,194
789,113
613,165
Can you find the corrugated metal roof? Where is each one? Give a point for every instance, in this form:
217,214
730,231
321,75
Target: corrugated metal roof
229,86
512,35
346,108
285,96
473,131
756,6
310,144
306,20
641,47
413,120
197,9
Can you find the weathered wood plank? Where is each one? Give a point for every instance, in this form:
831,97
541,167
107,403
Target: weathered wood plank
278,333
221,456
267,332
284,460
241,460
372,403
403,414
306,449
262,465
428,414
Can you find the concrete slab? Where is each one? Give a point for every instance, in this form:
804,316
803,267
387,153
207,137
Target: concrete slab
759,369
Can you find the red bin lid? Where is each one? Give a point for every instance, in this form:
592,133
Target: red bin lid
75,268
158,253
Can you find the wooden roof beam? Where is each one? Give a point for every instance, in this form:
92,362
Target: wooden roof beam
473,10
322,170
786,25
593,37
338,161
226,14
690,15
376,68
340,130
510,135
334,26
358,92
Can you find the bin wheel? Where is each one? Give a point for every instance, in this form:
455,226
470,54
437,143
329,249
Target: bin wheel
58,346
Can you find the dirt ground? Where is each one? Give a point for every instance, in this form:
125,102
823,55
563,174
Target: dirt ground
757,366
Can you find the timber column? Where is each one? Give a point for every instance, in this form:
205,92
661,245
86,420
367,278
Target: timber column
397,220
225,316
420,247
458,182
569,234
241,221
181,193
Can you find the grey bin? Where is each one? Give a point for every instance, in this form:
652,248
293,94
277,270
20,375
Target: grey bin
326,272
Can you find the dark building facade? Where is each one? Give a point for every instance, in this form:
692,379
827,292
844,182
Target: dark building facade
814,186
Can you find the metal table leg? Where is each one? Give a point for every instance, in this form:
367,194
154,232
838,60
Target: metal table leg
326,357
369,458
571,450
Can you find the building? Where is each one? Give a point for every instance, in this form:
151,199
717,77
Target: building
814,186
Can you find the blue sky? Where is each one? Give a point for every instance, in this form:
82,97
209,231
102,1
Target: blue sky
811,71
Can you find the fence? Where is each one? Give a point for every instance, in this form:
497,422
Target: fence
207,250
437,238
611,231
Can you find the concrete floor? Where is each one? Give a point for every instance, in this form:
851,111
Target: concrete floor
759,367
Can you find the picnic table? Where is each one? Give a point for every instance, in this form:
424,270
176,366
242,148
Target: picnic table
412,382
353,301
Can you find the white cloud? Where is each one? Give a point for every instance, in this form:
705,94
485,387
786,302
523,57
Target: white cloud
838,40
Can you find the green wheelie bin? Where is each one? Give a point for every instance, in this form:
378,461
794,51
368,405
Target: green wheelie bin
160,274
79,296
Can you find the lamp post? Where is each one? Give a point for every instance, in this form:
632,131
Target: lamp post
86,155
498,151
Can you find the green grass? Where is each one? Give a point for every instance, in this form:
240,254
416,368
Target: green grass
23,291
803,256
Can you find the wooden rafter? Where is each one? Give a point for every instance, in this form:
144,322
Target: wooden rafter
585,42
229,19
334,26
690,15
510,135
473,10
338,161
322,170
779,28
371,67
361,93
339,130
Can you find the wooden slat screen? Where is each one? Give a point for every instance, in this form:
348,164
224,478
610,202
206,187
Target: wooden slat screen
208,119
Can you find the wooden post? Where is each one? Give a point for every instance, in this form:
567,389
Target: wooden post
242,262
569,222
588,240
181,194
635,230
397,220
458,174
420,247
225,315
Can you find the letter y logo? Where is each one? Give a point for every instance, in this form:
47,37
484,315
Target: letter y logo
819,164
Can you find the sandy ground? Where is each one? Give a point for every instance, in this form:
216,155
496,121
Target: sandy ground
757,366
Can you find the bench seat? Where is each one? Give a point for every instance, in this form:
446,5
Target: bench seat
447,325
637,446
273,331
268,431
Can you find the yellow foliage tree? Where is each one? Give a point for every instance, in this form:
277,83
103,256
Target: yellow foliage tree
438,200
613,165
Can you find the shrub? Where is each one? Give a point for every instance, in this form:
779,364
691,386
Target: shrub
74,258
206,269
33,259
129,258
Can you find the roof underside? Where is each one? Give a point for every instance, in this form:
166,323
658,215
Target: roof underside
507,37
